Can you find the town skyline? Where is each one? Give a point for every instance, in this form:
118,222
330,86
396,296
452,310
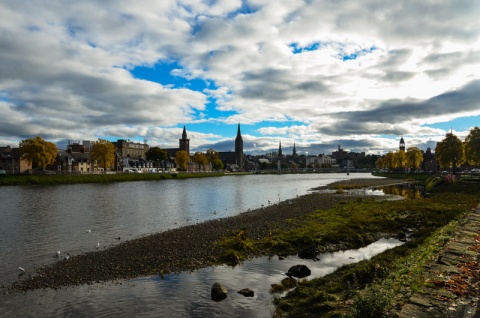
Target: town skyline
315,73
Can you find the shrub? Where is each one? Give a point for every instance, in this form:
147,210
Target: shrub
371,303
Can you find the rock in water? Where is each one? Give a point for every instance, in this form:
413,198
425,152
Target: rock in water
289,282
299,271
219,292
247,292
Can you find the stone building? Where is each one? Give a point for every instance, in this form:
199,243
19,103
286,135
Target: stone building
11,161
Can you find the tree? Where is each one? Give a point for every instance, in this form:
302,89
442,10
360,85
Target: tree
388,161
201,159
212,155
214,158
156,154
414,157
217,164
38,151
379,163
472,146
104,152
182,158
450,152
399,159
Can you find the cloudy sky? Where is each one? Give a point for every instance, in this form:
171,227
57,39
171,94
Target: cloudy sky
317,73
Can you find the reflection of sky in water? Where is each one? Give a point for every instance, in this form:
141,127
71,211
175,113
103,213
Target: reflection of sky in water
374,192
184,294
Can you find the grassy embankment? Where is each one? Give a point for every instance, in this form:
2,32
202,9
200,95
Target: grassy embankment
96,178
367,288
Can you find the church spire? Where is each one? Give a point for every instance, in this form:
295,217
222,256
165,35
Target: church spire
294,154
239,149
184,143
280,149
239,134
184,134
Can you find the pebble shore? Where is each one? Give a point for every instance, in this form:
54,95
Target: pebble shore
181,249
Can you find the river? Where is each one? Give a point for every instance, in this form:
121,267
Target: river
38,221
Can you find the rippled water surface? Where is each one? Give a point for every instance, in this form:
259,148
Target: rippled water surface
38,221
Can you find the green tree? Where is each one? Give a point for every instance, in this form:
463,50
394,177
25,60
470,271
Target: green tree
472,146
214,158
156,154
201,159
182,158
104,152
212,155
38,152
450,152
217,164
414,157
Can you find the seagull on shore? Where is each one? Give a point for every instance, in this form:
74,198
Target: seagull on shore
58,253
89,231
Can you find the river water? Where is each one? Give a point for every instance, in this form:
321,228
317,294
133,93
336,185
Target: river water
38,221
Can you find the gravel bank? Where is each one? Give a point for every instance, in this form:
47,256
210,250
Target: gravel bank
181,249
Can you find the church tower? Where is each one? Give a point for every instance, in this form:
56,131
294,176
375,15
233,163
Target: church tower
402,145
184,142
294,154
239,148
280,154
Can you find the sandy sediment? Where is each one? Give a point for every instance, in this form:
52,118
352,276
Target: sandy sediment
182,249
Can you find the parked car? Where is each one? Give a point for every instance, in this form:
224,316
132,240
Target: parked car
3,172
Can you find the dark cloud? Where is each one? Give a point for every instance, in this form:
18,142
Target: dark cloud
465,99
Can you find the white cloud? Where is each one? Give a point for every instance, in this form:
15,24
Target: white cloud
367,68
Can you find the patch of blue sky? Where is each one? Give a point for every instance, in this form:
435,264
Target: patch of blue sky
458,124
162,73
354,55
245,9
296,49
230,130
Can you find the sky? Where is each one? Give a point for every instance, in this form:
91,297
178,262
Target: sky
317,74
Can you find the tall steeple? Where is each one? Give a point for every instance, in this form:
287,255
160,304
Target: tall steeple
280,149
402,145
239,148
184,143
294,154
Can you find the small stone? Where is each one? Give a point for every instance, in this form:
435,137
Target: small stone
247,292
219,292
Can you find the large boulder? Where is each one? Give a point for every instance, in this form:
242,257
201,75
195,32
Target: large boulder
219,292
299,271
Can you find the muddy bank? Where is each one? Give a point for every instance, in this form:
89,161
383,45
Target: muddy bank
177,250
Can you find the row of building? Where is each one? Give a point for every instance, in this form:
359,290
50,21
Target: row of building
130,156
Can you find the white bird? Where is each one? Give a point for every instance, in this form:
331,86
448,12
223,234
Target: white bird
58,253
21,269
89,231
98,245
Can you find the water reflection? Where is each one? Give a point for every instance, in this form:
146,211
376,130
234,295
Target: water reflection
184,294
408,191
